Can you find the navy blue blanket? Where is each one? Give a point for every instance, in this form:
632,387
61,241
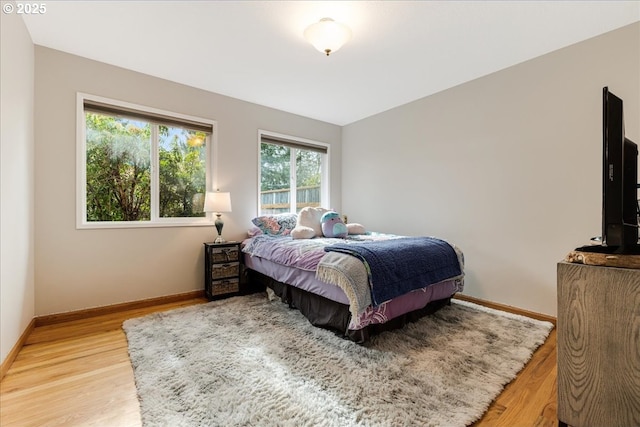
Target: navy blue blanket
398,266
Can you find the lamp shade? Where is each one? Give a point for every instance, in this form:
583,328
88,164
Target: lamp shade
217,202
327,35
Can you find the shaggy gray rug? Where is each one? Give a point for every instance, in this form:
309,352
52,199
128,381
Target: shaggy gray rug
247,361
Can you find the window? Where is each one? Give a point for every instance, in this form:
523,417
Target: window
293,173
141,167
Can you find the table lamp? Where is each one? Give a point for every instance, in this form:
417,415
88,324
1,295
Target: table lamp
218,202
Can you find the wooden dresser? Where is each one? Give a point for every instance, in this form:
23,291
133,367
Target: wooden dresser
598,345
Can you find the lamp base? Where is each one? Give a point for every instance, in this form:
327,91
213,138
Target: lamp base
219,224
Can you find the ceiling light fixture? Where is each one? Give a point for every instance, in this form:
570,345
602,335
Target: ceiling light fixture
327,35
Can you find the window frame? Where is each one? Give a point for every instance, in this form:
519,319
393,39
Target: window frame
293,142
155,220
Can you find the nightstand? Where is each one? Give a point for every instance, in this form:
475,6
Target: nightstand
221,269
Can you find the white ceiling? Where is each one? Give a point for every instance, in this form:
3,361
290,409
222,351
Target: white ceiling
254,50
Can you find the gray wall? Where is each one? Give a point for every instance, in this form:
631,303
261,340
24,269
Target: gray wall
76,269
508,166
17,186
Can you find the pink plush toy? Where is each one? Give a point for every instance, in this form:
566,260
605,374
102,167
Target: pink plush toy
332,225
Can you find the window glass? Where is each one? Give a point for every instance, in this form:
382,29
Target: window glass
292,175
143,167
182,155
118,168
308,178
275,173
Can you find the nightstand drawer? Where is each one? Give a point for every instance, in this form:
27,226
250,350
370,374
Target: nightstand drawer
224,254
226,286
220,271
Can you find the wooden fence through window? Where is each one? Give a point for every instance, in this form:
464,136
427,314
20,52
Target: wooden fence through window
278,201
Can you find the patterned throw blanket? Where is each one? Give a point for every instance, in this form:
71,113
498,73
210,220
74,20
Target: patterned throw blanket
398,266
350,275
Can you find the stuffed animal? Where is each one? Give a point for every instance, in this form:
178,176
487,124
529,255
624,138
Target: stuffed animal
308,225
332,225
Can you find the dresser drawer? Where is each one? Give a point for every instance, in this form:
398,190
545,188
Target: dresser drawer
224,254
226,286
220,271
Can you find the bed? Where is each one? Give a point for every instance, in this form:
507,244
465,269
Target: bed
357,285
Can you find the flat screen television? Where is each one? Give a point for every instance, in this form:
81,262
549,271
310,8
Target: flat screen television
619,181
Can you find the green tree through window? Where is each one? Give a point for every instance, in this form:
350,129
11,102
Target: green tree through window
292,176
140,170
182,172
118,169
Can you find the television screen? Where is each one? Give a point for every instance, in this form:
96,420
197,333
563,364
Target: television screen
619,180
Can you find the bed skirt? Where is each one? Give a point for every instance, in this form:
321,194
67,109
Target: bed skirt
335,316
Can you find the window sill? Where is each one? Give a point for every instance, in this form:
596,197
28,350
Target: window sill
141,224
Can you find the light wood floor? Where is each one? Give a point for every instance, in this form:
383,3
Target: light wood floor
78,373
